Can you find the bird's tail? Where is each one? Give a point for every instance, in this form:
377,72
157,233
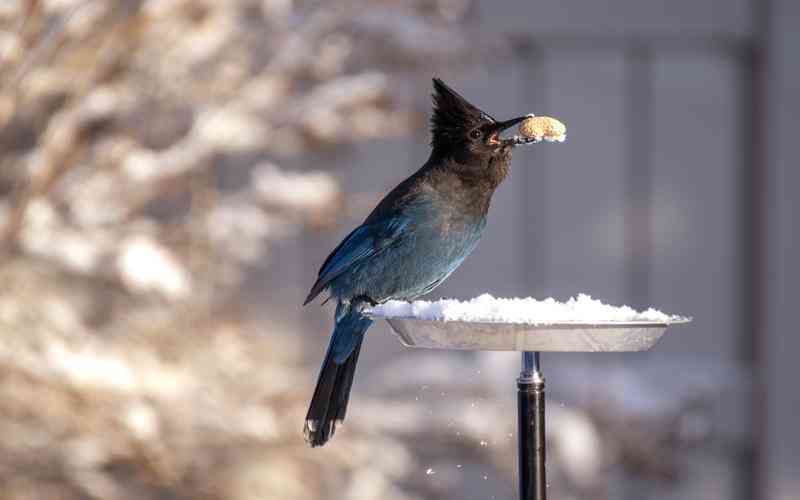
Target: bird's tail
329,403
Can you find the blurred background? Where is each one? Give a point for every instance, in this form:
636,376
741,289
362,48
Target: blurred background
173,172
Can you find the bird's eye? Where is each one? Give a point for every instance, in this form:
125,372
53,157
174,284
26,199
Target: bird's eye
476,134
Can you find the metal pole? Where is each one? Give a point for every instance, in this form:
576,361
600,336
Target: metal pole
530,429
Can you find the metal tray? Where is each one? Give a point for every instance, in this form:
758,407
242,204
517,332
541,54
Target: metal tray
611,336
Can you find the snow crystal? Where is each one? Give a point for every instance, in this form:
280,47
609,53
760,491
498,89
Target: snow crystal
528,310
142,420
230,128
88,367
145,265
296,190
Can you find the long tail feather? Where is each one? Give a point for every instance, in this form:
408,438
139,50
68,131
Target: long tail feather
329,403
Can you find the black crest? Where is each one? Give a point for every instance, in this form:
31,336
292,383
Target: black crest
453,116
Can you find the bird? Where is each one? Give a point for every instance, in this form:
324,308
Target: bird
416,236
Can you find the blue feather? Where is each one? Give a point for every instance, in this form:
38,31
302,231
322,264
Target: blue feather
364,242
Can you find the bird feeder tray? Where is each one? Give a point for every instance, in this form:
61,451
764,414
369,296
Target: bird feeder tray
607,336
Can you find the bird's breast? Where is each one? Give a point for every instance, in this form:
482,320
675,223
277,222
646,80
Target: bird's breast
457,202
458,224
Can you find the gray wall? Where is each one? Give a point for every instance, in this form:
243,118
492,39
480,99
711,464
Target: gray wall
779,343
664,192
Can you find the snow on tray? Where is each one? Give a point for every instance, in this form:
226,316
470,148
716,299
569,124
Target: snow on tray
486,308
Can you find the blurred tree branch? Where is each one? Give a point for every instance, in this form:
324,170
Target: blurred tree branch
123,252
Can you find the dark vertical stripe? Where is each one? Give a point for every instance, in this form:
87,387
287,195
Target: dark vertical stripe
638,223
532,170
754,124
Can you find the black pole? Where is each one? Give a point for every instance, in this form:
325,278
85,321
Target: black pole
530,429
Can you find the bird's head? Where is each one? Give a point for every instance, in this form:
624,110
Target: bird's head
460,129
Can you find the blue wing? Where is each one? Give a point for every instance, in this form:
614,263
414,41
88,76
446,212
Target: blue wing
364,242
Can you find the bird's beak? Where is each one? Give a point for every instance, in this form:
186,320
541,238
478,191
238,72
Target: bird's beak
498,127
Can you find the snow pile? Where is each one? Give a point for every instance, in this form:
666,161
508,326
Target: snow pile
486,308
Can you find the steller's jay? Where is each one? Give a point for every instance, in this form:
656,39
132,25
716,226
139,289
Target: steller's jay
416,236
